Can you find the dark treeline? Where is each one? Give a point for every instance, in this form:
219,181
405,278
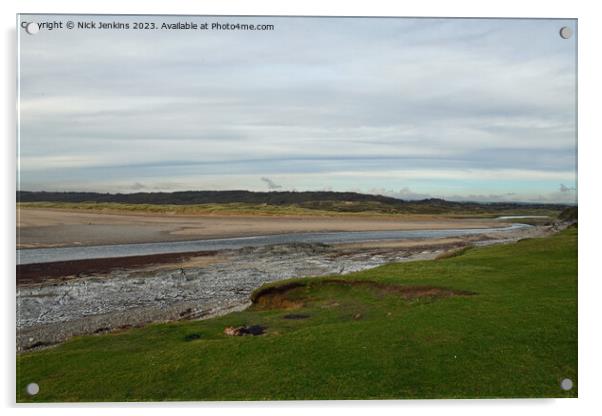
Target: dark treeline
339,201
202,197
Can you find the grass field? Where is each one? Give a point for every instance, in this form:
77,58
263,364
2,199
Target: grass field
197,209
242,208
490,322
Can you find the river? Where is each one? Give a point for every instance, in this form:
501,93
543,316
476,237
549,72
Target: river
45,255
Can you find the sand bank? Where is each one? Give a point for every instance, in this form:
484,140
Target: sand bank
53,227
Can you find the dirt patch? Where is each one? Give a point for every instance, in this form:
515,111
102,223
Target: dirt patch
277,301
192,337
275,297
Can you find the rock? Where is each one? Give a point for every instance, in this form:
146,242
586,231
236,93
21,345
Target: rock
231,331
244,330
186,314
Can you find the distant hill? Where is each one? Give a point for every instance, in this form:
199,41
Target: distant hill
329,201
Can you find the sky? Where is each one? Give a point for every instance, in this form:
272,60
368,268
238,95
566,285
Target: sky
461,109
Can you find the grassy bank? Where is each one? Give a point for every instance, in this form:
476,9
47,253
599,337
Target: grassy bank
499,321
234,208
242,208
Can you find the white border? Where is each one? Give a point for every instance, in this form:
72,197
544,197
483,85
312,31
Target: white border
589,196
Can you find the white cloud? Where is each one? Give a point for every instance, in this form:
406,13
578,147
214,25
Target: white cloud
461,174
383,100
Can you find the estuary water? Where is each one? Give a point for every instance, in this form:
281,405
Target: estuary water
45,255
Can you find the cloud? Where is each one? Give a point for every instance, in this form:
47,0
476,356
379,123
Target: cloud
137,186
564,188
408,195
270,183
427,104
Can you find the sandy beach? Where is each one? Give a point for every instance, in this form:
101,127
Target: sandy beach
53,227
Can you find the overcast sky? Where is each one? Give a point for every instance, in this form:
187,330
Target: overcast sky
459,109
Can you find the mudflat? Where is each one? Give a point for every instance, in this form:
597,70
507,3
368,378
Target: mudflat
46,227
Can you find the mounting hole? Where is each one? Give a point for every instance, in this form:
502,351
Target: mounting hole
566,384
32,389
566,32
32,28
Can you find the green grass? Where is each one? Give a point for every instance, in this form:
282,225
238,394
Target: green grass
516,337
195,209
234,208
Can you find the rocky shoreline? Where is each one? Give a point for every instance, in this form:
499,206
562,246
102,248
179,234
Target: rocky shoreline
55,306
